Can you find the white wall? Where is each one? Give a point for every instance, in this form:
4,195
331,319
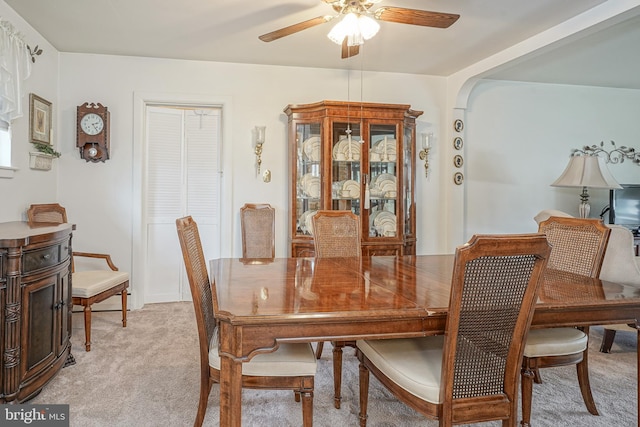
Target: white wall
518,140
100,197
30,186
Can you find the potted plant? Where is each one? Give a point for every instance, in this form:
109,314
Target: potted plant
42,158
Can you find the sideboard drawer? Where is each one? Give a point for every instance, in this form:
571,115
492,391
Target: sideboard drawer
41,258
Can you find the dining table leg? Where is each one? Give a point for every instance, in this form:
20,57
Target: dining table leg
230,392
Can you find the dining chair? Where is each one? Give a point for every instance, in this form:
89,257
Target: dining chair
258,230
470,374
88,287
336,234
620,265
290,367
578,246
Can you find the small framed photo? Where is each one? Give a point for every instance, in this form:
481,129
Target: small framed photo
39,120
458,178
458,161
457,143
458,125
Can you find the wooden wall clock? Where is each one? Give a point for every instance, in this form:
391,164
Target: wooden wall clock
92,132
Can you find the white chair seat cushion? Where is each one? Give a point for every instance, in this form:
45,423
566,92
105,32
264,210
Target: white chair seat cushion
620,327
287,360
85,284
555,342
412,363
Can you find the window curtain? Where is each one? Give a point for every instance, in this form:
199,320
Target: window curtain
15,67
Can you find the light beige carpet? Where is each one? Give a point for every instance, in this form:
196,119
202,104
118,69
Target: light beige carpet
147,374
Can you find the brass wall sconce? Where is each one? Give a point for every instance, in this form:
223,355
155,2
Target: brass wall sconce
259,134
424,153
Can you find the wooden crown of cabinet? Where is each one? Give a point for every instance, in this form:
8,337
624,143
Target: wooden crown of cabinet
358,157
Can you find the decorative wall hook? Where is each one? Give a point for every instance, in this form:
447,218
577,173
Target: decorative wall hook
615,155
35,52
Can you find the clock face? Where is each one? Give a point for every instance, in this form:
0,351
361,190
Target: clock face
92,124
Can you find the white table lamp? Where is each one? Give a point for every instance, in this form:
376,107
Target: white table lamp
586,172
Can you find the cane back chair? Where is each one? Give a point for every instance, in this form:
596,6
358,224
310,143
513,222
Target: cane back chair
578,246
620,264
291,366
258,230
469,374
336,234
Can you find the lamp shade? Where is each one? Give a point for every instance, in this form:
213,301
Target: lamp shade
355,27
586,171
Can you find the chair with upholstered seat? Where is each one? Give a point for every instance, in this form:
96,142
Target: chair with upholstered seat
291,366
91,286
258,230
336,234
578,246
469,374
620,265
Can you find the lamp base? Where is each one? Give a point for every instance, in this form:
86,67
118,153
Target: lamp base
584,209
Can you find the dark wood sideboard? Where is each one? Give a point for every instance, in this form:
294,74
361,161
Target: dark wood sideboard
35,306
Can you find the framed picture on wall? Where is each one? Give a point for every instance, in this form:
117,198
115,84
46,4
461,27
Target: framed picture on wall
39,120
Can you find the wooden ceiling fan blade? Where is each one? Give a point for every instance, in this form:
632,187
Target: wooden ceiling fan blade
425,18
349,51
292,29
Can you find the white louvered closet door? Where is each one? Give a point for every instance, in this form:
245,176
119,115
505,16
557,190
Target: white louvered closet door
182,164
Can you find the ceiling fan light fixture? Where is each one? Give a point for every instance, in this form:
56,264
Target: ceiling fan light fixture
342,29
368,27
355,27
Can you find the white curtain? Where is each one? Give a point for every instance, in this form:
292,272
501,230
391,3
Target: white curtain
15,67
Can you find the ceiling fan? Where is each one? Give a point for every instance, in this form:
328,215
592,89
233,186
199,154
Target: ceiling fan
360,11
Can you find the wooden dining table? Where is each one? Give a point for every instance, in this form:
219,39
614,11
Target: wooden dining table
263,302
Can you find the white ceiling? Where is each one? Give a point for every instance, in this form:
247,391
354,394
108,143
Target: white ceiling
228,30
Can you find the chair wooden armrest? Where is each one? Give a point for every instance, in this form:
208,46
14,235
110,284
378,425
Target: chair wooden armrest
106,257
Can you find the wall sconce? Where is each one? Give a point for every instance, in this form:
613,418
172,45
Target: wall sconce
425,138
259,132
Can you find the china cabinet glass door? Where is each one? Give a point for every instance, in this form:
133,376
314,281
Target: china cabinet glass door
407,198
382,181
346,158
308,181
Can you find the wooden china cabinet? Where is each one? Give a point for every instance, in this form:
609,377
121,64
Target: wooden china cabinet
358,157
